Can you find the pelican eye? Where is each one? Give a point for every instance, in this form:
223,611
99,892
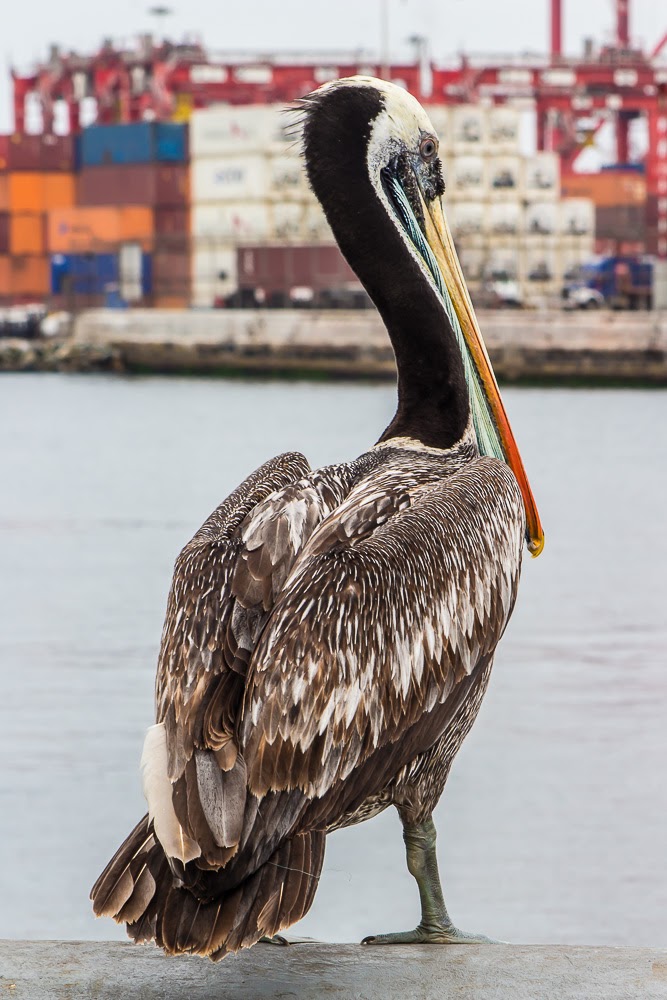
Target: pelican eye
428,147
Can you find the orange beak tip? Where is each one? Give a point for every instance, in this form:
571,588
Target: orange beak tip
535,546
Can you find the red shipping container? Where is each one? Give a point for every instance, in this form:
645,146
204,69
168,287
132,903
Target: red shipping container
155,184
171,274
172,223
4,232
40,152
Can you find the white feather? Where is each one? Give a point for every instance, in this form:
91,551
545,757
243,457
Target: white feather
158,790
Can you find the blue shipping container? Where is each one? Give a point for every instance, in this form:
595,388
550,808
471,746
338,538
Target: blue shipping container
93,274
138,142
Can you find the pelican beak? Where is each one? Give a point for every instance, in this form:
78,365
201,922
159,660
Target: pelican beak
440,240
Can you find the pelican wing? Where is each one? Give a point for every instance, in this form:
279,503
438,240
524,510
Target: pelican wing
389,609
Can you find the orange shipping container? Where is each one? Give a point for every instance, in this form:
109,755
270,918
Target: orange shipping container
4,192
98,230
5,271
40,192
24,278
610,187
27,234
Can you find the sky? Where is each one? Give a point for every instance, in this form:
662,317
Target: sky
477,26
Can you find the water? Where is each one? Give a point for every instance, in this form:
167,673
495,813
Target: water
554,822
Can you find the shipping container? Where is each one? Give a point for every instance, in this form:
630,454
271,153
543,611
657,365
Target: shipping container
27,279
472,262
440,117
608,188
134,184
468,128
27,234
288,221
230,222
468,218
576,217
230,178
467,177
94,230
315,225
279,275
230,130
287,178
620,222
171,274
32,191
4,192
541,173
172,223
40,152
540,265
138,142
92,274
541,218
213,275
4,232
505,218
505,178
4,153
503,129
5,278
502,265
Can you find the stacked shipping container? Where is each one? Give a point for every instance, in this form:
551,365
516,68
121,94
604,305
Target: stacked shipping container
132,193
248,186
619,198
35,178
506,212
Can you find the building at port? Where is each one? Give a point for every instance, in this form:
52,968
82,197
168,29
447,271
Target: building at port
190,159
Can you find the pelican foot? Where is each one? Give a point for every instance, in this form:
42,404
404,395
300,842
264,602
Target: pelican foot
432,934
277,940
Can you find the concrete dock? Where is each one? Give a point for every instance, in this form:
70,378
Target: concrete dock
548,346
72,970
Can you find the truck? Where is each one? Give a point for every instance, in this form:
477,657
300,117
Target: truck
622,282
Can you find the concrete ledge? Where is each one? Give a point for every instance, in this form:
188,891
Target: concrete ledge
65,970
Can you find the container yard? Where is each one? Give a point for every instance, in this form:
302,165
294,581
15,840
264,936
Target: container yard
192,194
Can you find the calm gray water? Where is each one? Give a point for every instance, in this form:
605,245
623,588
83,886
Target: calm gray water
553,826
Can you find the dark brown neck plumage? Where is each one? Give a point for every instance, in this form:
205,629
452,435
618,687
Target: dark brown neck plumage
433,405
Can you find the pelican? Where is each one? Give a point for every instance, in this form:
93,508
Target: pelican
329,633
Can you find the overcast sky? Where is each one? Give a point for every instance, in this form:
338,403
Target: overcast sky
30,26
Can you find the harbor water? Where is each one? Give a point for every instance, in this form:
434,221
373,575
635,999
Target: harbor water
554,822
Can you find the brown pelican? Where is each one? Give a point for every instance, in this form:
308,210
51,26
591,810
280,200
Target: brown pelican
329,634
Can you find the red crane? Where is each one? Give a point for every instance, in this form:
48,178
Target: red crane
573,97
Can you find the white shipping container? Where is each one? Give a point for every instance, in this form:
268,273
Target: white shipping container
541,218
541,265
287,177
468,127
472,262
213,275
503,129
230,222
230,178
467,177
570,259
316,227
467,218
541,176
288,221
577,217
502,265
504,173
505,218
229,129
440,117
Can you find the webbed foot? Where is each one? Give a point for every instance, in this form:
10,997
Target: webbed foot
431,934
277,940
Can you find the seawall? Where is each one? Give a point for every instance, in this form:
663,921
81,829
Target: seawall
72,970
601,347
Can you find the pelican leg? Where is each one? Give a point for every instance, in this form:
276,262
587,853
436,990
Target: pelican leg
435,926
277,940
